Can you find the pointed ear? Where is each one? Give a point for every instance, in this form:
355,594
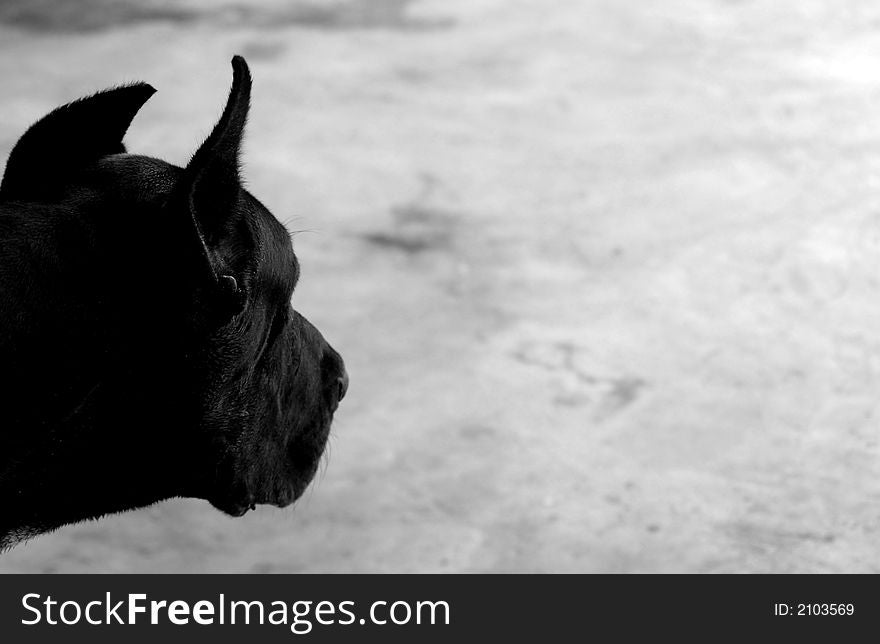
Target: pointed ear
210,186
68,139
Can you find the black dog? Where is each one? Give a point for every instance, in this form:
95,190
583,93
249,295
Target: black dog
148,347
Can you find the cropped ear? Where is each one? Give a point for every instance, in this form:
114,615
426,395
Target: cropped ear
68,139
210,188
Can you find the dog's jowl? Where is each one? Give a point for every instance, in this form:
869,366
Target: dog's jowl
148,346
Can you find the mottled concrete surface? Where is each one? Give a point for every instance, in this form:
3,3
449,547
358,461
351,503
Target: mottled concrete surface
606,274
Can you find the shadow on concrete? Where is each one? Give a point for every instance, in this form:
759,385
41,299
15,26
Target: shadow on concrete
89,16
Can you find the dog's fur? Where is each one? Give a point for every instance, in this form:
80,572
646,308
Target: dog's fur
148,347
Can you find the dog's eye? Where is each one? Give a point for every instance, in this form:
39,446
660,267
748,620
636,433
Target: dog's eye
278,323
296,271
275,330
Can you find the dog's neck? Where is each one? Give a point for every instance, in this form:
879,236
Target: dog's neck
121,374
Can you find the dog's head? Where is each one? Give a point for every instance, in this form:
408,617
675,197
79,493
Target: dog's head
271,382
252,385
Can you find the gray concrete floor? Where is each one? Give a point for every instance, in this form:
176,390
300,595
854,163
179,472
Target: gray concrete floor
606,274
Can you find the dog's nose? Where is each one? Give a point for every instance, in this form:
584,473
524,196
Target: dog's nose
342,384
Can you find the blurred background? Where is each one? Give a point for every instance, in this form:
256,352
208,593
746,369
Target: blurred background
606,275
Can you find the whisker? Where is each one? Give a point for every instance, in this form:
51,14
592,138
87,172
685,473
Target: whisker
303,230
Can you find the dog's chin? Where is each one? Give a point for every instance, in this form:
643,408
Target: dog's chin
278,493
230,507
284,483
239,505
